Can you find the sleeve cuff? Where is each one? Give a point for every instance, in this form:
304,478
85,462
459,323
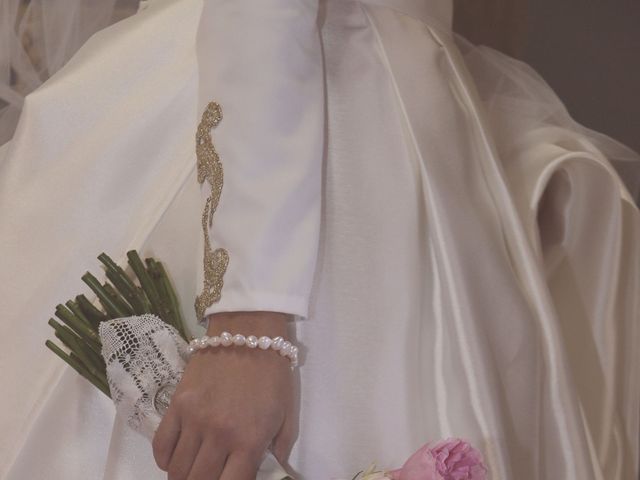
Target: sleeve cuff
235,301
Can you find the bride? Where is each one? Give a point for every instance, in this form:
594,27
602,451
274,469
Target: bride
452,253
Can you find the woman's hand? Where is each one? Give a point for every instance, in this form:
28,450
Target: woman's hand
231,405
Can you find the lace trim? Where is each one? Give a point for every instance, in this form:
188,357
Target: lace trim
210,169
145,360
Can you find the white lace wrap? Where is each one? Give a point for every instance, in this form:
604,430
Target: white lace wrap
145,357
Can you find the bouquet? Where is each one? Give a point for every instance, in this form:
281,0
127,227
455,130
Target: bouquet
82,320
134,350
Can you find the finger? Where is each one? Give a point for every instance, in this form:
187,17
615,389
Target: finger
241,466
184,454
209,462
165,439
283,442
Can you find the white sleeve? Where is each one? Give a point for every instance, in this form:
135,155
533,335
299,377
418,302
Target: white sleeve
260,148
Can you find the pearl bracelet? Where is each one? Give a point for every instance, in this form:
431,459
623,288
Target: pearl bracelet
226,339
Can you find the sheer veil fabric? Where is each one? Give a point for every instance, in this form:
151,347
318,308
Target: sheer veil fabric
37,39
478,255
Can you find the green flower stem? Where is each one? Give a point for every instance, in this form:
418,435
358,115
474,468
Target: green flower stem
134,297
91,361
172,299
145,281
79,349
117,299
154,274
132,293
81,346
92,313
76,366
112,309
102,385
65,333
77,325
119,271
95,359
75,308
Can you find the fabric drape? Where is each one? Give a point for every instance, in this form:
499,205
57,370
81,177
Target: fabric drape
477,261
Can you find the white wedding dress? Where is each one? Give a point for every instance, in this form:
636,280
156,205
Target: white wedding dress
462,259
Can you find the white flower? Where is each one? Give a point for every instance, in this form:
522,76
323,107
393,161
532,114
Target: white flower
372,474
375,476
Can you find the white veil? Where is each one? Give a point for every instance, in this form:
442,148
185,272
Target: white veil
517,99
37,38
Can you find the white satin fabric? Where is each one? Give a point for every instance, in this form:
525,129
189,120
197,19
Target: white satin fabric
37,38
477,263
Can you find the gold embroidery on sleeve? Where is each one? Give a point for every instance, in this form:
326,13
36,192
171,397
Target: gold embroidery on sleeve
210,169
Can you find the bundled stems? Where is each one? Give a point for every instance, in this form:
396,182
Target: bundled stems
82,329
87,374
111,266
169,300
145,281
112,309
77,311
73,363
92,313
117,299
125,286
81,318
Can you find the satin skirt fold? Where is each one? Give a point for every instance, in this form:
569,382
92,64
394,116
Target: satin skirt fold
478,268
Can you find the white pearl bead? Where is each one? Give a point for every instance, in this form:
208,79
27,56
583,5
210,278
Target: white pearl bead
286,349
226,339
277,343
264,342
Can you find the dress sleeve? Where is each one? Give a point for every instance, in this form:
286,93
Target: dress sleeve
259,150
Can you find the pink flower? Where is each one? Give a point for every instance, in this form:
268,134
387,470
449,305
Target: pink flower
451,459
457,460
420,466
